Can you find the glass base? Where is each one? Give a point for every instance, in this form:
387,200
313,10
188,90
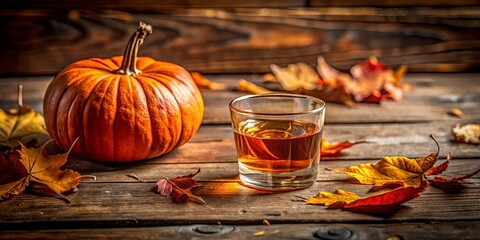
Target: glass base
278,181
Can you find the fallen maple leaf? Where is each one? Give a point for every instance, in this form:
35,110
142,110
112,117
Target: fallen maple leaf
296,77
203,82
330,149
469,133
41,173
455,179
179,188
369,82
21,125
375,204
250,87
394,169
407,175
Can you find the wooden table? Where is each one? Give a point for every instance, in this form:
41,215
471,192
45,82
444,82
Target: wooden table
120,207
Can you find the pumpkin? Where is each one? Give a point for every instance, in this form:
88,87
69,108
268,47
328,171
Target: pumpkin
124,108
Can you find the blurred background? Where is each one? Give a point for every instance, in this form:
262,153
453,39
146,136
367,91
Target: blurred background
231,36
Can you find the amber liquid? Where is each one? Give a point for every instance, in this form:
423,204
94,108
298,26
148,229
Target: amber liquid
278,146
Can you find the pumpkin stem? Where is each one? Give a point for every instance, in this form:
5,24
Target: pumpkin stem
129,63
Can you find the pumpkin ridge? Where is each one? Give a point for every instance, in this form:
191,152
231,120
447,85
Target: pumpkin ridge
82,139
124,82
90,141
173,141
115,80
149,118
191,126
54,114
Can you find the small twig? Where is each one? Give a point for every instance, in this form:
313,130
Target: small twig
132,175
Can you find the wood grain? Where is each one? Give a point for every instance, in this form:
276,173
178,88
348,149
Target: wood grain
442,230
134,204
431,97
241,40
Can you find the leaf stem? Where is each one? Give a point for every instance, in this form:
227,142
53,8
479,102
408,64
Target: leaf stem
20,95
195,198
435,140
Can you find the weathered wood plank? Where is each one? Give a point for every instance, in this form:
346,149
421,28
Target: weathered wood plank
431,97
214,144
431,230
152,5
42,41
121,204
393,3
226,172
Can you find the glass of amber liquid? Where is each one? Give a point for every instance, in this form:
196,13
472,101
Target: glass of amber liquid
278,139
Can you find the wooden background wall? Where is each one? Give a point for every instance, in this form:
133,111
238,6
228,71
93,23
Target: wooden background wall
239,36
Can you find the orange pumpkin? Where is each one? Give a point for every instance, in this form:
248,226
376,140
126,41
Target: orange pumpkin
123,108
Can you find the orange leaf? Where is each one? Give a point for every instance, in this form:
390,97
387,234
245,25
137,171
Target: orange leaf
394,169
179,188
379,203
330,149
249,87
44,174
203,82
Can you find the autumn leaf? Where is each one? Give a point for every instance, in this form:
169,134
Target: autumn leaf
21,125
385,202
179,188
394,169
203,82
455,179
250,87
295,77
338,199
330,149
41,173
469,133
456,112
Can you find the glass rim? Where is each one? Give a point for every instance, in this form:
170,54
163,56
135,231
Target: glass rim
290,95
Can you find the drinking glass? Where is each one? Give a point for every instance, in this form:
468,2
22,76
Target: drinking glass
278,139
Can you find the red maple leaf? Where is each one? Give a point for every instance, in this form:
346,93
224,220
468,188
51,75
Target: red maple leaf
179,188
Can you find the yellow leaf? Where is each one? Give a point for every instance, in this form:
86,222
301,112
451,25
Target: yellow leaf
44,171
393,169
296,76
333,200
469,133
21,125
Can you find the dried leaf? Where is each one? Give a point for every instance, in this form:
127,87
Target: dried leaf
394,169
455,179
21,125
296,77
266,222
330,149
375,204
469,133
268,77
456,112
333,200
440,168
44,173
249,87
179,188
259,233
203,82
